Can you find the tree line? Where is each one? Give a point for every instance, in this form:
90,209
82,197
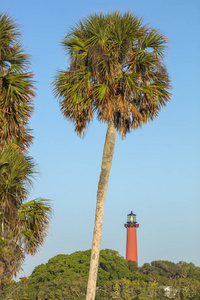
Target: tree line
65,277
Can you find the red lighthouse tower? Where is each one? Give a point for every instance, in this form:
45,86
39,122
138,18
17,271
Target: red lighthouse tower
131,242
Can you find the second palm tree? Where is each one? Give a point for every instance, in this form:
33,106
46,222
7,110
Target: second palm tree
117,72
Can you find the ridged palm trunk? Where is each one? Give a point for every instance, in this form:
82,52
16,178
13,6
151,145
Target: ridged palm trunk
101,195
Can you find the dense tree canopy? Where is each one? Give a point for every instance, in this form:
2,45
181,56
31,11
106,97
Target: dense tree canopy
65,277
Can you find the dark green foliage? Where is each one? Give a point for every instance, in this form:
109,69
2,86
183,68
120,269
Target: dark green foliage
65,277
166,270
132,265
111,266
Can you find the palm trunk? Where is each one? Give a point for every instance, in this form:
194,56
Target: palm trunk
101,195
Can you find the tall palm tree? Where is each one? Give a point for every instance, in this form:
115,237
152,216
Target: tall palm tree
23,225
117,73
16,87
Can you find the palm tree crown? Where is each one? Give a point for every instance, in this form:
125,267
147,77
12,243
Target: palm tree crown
116,71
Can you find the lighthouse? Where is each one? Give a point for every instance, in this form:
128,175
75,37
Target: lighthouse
131,240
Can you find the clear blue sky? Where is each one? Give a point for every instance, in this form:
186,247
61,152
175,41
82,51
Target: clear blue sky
155,170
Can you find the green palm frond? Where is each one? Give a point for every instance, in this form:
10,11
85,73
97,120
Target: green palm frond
16,87
8,31
23,225
16,174
25,236
33,221
101,92
154,41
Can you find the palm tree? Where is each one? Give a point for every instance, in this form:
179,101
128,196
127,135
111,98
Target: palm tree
23,224
24,236
117,73
16,87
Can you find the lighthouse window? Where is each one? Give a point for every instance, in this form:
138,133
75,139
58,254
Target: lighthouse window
131,218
